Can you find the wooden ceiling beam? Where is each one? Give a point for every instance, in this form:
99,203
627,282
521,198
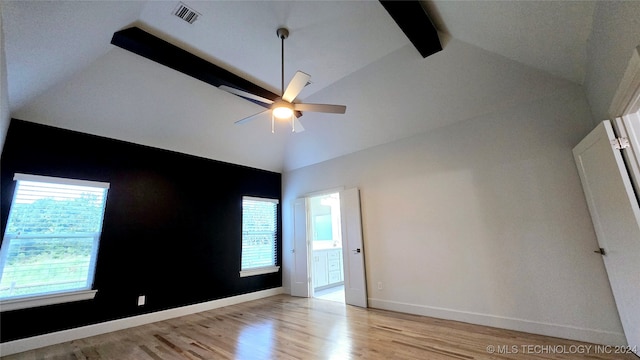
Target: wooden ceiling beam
153,48
416,24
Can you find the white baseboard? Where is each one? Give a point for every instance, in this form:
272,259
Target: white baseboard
595,336
35,342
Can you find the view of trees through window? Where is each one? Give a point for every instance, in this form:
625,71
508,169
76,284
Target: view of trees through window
51,235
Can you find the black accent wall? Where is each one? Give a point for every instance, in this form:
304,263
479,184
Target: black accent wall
172,225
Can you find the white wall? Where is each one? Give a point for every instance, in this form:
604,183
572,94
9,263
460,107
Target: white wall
615,35
482,221
4,97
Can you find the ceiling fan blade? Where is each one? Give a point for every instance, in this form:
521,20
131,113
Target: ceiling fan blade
249,118
324,108
244,94
295,86
298,125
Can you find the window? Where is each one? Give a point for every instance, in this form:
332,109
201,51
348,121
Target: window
259,236
50,245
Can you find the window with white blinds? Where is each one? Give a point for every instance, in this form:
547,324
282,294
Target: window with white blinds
51,239
259,236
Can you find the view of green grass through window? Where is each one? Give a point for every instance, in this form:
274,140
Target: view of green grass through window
51,240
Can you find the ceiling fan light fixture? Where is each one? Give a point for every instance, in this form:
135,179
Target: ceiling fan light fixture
282,113
282,110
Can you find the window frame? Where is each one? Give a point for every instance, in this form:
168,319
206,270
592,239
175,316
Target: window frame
55,297
263,269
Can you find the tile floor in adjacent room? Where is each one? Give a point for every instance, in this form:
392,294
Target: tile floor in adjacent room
335,293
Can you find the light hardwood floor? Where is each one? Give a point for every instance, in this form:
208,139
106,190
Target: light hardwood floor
284,327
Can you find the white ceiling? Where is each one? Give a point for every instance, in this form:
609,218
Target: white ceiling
548,35
61,70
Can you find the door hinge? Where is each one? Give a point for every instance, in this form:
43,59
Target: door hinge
620,143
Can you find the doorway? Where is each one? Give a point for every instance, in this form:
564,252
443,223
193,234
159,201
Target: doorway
325,235
352,267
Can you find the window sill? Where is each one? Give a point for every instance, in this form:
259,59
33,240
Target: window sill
259,271
42,300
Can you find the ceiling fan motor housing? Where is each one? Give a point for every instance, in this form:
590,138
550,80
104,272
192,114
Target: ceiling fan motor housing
282,33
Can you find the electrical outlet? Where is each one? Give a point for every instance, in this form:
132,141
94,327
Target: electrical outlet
379,285
142,299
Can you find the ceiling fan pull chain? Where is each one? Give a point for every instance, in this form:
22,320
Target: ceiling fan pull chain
273,131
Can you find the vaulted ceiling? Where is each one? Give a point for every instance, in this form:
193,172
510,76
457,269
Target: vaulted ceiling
63,71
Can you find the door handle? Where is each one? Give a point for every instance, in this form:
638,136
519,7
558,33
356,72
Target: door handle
357,251
600,251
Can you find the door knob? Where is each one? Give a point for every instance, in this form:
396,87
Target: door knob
600,251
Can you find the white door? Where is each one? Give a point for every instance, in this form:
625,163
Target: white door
616,218
300,274
355,285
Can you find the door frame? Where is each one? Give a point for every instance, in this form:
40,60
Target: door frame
352,235
309,245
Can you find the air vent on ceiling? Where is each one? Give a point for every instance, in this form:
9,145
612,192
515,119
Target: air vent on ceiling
186,13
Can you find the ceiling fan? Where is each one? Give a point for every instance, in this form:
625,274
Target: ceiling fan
283,108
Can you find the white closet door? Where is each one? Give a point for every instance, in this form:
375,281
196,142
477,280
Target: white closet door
616,218
355,284
300,273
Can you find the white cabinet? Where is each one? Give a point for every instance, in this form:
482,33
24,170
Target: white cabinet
334,265
327,268
320,273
